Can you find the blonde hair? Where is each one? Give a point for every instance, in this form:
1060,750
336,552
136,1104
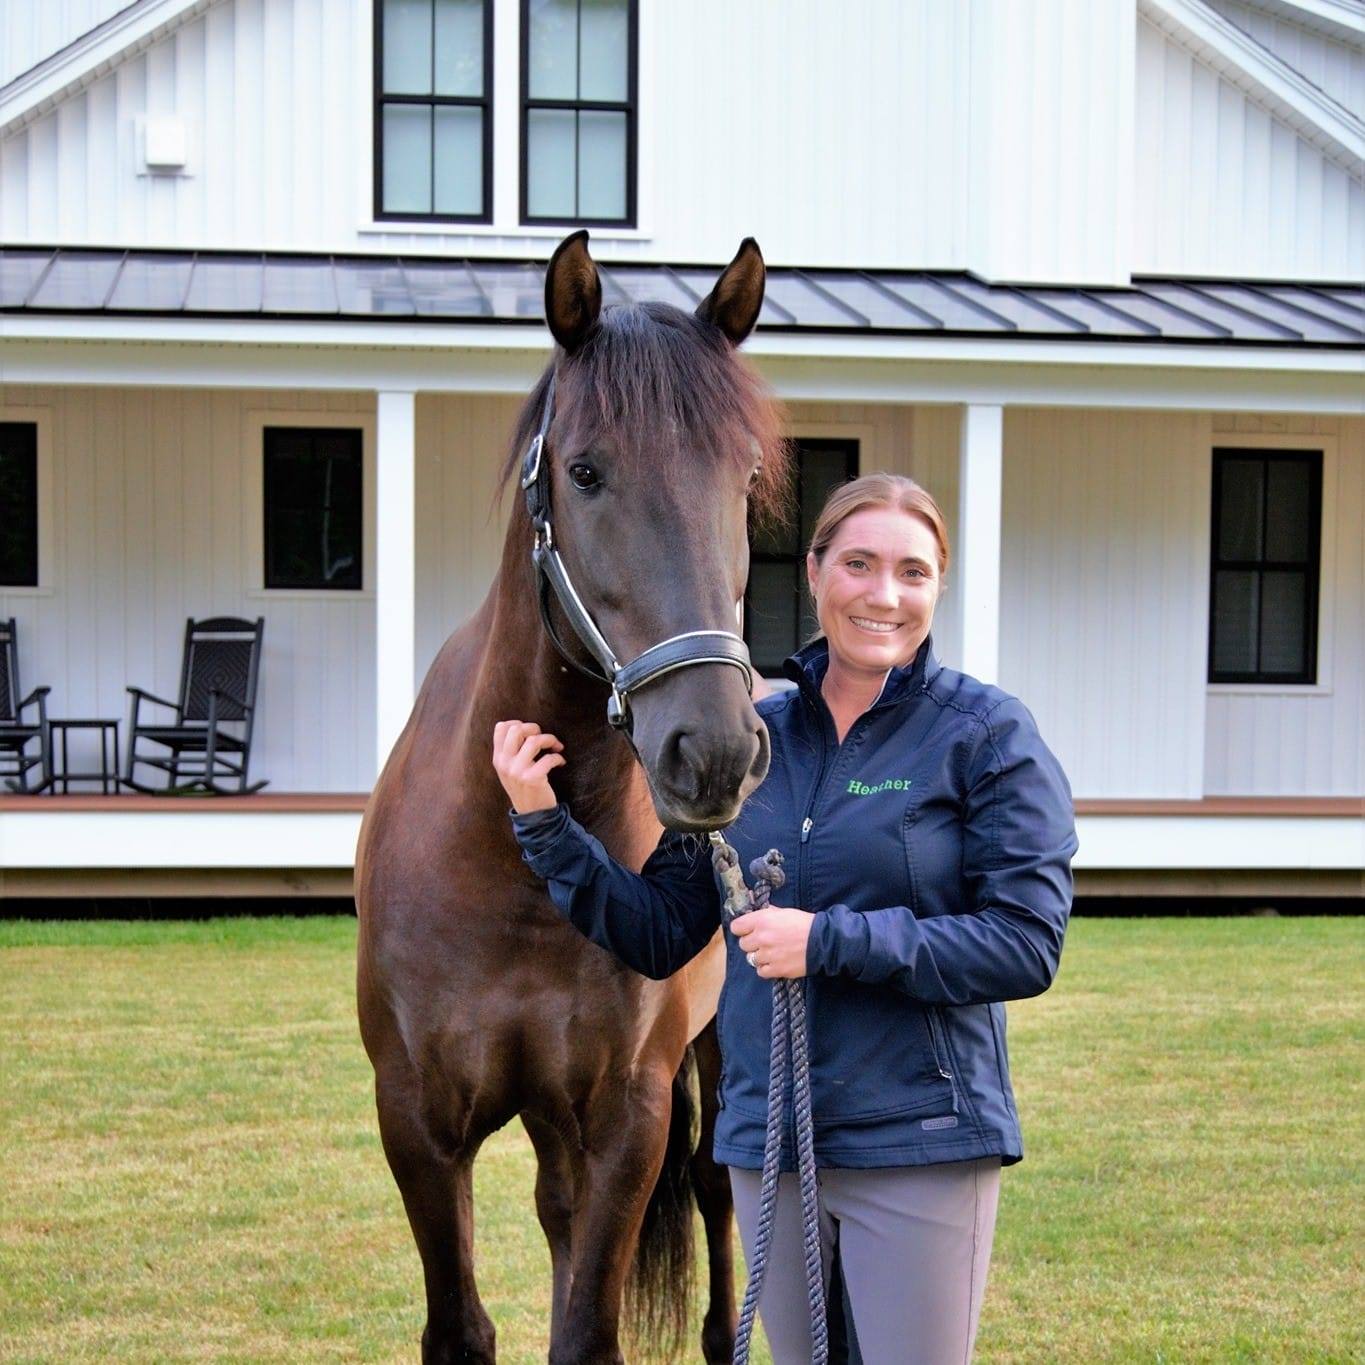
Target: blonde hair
880,490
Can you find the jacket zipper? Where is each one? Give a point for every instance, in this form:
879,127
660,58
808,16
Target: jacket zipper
936,1041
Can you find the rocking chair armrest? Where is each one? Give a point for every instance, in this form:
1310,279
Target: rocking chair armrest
142,695
38,698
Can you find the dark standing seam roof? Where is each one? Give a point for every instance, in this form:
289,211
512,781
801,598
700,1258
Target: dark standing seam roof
133,283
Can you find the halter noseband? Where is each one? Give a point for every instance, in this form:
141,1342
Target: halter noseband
678,651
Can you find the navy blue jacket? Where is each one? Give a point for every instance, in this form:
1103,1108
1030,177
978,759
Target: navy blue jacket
934,846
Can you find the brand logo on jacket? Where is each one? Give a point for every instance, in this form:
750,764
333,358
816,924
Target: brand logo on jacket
892,784
948,1121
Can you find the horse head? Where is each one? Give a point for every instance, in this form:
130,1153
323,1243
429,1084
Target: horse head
660,442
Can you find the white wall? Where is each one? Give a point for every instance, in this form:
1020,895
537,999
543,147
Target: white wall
1332,65
1307,741
997,137
1225,189
1104,593
33,29
155,513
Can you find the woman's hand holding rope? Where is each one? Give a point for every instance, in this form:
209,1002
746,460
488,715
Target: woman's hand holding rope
774,940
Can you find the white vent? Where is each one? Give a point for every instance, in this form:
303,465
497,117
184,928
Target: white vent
165,144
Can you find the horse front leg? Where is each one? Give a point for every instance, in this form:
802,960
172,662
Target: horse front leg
620,1162
711,1185
438,1194
554,1208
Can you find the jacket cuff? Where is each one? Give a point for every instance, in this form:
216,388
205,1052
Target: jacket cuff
839,943
538,831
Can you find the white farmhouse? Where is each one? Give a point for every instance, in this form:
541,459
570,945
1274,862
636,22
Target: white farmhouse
1089,269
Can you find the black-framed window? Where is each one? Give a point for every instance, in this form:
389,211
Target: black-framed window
18,504
1267,536
433,110
579,66
778,614
314,508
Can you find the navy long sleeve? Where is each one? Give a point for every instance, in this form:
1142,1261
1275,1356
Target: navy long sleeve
655,921
1018,839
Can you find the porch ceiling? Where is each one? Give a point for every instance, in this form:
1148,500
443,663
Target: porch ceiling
57,281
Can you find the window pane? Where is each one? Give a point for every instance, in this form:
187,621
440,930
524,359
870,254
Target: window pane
605,32
601,165
550,163
821,470
1288,508
459,47
1283,622
459,159
313,508
552,57
771,616
407,158
1239,521
19,504
407,47
1235,609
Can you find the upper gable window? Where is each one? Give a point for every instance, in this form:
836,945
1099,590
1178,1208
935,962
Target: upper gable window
433,113
1267,519
578,111
18,504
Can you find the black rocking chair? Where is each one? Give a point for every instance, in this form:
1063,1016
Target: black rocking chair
17,733
209,743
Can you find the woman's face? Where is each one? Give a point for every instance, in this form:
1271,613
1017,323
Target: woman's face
876,588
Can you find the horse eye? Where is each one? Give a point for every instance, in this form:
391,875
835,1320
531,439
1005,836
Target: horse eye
754,473
584,476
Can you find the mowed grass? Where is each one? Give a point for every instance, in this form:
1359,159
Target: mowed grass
192,1170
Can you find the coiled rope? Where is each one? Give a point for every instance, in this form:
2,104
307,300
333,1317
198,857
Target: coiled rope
788,1046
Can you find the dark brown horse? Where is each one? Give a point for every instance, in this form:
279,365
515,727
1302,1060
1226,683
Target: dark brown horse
478,1003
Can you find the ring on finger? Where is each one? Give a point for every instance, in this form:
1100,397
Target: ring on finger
753,959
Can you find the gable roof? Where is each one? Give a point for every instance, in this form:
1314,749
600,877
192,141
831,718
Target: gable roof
80,63
1265,77
406,289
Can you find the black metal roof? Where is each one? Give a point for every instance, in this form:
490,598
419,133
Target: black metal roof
138,283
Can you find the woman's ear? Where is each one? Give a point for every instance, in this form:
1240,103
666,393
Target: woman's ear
812,573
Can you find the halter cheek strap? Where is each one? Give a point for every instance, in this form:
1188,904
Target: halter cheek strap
678,651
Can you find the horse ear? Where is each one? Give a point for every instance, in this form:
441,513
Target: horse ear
734,304
573,292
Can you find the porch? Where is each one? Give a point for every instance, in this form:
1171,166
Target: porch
1076,479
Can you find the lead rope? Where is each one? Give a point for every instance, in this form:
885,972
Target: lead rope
789,1040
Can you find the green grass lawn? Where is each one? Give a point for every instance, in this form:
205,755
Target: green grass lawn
192,1171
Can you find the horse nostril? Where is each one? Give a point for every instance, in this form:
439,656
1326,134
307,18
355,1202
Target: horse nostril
687,766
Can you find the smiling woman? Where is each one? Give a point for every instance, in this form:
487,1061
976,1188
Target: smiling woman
928,836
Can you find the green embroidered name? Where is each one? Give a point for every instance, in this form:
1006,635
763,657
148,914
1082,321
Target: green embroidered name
892,784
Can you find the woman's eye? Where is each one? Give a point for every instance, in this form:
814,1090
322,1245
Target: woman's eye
584,476
857,563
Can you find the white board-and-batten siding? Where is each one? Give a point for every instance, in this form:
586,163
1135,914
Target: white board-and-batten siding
1064,143
1105,607
1225,188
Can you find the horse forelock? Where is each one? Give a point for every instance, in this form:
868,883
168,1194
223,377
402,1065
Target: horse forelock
652,379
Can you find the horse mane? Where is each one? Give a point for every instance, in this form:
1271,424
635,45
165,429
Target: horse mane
649,364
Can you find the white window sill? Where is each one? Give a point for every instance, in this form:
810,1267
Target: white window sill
536,232
1269,689
13,590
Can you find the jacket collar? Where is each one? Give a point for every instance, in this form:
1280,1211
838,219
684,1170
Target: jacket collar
807,667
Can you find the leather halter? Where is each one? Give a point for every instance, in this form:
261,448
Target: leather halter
678,651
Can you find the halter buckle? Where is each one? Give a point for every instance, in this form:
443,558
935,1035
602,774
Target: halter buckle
618,710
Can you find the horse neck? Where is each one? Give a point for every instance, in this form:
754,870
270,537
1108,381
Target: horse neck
525,678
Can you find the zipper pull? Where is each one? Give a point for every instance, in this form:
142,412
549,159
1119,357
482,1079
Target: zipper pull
805,828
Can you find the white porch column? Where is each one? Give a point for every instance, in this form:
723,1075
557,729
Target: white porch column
395,568
980,474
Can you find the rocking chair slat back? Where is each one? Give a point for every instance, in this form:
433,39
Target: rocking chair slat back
9,670
226,665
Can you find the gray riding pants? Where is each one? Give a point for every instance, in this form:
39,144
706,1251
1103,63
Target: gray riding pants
914,1247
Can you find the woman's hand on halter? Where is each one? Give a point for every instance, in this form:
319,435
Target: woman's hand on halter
774,940
524,755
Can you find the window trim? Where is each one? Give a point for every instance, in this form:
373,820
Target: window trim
380,99
630,106
853,444
1314,456
254,423
41,418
